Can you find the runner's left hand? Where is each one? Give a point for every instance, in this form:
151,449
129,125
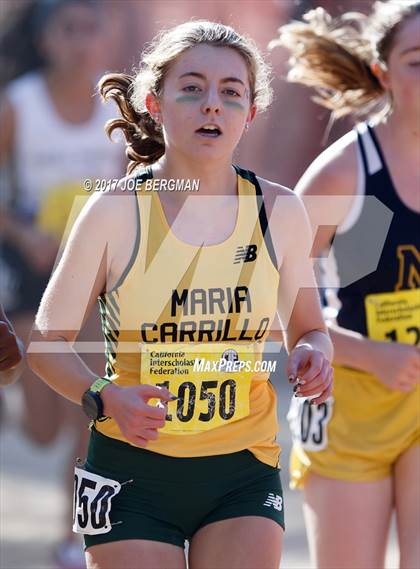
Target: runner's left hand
311,373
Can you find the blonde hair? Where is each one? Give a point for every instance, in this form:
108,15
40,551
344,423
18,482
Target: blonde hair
143,135
334,55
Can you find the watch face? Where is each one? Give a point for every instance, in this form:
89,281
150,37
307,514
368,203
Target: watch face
90,405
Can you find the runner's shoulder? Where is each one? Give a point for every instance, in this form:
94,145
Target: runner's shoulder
113,199
334,171
278,199
108,213
285,213
270,189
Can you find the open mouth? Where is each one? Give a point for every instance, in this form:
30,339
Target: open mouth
209,131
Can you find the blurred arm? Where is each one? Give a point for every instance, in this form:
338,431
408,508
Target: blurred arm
11,352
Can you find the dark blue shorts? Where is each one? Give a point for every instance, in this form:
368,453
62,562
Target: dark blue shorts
170,499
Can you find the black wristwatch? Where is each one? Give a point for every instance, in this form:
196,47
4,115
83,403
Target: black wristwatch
92,403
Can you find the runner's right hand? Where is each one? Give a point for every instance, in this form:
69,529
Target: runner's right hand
396,365
138,421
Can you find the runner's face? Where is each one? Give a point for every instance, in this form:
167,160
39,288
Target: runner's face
74,38
403,76
206,87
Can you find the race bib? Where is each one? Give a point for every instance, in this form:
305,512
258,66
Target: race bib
309,423
212,383
394,316
92,502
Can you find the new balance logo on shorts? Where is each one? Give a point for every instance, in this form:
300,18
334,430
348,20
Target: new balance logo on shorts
245,254
275,501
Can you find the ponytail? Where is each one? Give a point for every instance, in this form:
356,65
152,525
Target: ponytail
333,56
143,136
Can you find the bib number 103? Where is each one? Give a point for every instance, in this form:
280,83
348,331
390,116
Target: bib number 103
309,423
220,397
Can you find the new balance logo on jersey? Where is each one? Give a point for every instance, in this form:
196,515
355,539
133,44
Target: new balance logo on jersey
275,501
245,254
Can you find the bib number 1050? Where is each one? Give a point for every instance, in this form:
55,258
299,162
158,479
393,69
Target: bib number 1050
221,399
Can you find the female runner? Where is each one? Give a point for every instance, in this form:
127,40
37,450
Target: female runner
357,455
51,139
188,289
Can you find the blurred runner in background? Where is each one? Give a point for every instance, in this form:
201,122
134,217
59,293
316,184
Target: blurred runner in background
358,454
51,140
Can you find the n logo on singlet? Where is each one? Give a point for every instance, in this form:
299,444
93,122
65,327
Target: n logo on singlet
275,501
245,254
409,269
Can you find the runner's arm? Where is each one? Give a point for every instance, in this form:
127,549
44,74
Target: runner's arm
325,189
298,302
11,352
309,345
78,280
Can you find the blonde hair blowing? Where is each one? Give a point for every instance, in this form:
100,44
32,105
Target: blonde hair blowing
334,56
143,135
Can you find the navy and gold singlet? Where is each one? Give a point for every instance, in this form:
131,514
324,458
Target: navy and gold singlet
383,304
359,433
